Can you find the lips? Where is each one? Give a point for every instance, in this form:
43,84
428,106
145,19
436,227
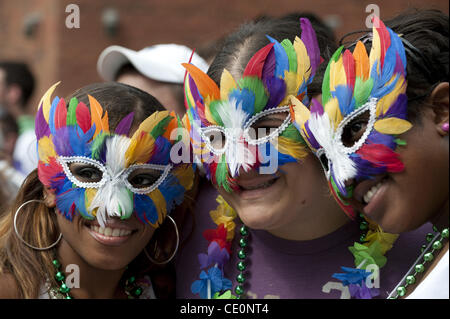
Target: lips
255,186
368,196
114,233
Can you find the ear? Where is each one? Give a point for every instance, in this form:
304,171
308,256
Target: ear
440,100
49,197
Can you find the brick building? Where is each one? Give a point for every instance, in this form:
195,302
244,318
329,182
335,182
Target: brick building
35,30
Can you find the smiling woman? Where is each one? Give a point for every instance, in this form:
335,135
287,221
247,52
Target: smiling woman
104,188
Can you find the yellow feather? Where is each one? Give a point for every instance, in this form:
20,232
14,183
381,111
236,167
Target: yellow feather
88,197
301,112
333,111
46,149
291,80
160,204
46,101
101,123
392,126
140,149
185,176
386,101
303,62
292,148
337,74
208,114
227,83
188,93
375,52
150,122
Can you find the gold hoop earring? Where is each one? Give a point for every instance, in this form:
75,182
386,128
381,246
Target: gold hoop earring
20,237
175,251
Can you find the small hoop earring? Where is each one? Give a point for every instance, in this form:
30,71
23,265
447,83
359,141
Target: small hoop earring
174,252
20,237
445,127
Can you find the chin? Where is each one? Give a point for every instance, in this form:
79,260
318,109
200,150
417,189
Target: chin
255,219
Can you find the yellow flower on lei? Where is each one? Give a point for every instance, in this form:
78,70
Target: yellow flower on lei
224,214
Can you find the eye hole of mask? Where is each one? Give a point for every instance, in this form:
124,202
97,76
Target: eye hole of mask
86,173
144,177
324,160
354,130
266,126
216,138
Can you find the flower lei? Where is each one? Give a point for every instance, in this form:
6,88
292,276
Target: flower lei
212,283
370,251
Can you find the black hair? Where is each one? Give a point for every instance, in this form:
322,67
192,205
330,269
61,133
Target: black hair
120,100
427,57
19,73
8,124
240,46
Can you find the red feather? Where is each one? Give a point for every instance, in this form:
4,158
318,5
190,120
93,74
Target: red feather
379,155
348,210
60,114
349,66
255,65
83,117
385,39
47,172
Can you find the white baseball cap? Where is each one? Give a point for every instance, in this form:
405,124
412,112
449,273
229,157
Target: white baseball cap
161,62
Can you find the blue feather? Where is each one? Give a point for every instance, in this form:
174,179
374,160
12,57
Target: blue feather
282,61
145,209
344,94
51,117
172,192
246,98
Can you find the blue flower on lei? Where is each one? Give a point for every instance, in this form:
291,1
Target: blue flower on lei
218,283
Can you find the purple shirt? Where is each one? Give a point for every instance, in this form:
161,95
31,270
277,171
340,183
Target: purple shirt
279,268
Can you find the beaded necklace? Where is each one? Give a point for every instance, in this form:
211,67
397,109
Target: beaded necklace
435,242
132,289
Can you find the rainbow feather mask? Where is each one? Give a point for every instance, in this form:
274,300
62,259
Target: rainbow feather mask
116,175
228,113
355,134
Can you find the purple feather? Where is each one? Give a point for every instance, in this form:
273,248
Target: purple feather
194,90
123,128
311,139
161,151
61,141
269,66
398,109
316,107
277,91
41,126
365,169
376,137
310,40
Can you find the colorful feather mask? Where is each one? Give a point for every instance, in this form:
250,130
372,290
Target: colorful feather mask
355,134
98,173
224,121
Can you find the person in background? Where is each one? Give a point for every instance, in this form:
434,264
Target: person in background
16,88
155,69
10,178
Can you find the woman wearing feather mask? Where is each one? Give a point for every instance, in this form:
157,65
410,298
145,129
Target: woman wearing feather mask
87,223
277,232
382,137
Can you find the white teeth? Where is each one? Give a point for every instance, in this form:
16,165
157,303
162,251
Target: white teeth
111,232
371,192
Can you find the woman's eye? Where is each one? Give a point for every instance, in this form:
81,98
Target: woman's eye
87,174
266,125
143,180
217,139
354,130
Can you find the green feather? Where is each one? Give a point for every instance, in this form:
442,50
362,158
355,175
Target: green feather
292,56
97,144
213,105
222,174
400,142
255,85
362,91
71,119
292,134
326,94
160,128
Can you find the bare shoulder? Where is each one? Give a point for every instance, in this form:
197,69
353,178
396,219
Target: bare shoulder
8,287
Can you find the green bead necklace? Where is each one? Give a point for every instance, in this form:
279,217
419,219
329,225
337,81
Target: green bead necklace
132,289
241,265
435,242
